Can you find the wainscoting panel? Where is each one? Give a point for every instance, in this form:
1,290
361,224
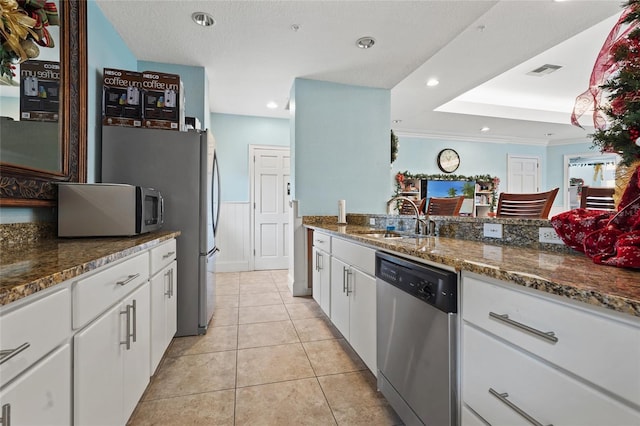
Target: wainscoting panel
234,237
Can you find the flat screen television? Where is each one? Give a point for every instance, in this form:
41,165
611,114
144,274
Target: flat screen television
450,188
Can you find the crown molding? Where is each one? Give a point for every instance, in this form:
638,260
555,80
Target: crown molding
461,138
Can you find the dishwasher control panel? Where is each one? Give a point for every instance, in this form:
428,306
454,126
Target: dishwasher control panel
434,286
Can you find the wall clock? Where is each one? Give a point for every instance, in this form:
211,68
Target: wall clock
448,160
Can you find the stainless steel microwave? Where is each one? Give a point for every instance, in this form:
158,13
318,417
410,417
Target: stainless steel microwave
108,209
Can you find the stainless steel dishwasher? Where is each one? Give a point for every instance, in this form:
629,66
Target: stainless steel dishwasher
416,334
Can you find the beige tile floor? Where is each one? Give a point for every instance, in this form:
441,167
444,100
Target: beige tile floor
268,358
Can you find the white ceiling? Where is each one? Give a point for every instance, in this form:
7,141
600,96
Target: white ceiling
479,50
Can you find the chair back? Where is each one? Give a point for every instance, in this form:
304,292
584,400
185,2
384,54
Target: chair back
526,206
444,206
407,208
597,198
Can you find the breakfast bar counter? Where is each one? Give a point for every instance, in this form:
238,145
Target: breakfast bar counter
34,266
570,275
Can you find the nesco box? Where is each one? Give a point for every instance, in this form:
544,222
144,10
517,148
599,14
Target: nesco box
121,98
39,91
161,100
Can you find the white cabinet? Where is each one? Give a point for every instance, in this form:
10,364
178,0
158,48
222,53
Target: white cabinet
42,395
112,353
111,362
322,271
558,361
353,297
35,362
164,314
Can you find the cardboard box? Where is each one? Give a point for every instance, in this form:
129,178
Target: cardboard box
162,99
39,91
122,94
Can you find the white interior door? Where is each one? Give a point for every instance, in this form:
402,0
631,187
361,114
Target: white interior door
271,176
523,174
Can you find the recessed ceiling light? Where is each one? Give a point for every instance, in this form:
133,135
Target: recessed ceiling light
365,42
295,27
485,129
272,105
432,82
397,121
203,18
549,134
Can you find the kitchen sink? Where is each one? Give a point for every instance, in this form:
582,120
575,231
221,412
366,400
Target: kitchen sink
390,235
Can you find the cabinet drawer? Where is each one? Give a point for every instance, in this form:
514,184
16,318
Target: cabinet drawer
94,294
543,392
42,395
599,348
37,325
355,255
162,255
322,241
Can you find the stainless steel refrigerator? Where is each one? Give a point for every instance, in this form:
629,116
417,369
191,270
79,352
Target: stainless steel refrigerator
183,167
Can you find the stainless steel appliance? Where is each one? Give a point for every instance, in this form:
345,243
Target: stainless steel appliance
416,335
102,210
183,166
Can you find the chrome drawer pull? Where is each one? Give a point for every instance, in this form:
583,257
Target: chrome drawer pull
129,279
503,398
7,354
171,253
5,420
547,335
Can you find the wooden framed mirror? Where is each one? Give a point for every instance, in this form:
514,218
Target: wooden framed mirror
29,186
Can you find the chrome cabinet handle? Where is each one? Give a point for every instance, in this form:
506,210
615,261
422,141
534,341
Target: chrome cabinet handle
127,341
317,261
320,266
171,281
171,253
547,335
503,398
7,354
5,420
135,316
168,281
344,278
349,273
129,279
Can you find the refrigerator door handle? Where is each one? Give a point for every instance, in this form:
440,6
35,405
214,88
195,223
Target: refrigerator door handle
213,251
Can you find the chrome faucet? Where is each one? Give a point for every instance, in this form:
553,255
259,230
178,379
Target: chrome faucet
427,224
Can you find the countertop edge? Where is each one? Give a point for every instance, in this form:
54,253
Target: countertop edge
20,291
605,300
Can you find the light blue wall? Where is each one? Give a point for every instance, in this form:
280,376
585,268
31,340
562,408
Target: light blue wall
106,49
342,147
418,155
234,134
193,80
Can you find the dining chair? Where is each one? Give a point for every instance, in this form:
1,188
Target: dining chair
597,198
444,206
526,206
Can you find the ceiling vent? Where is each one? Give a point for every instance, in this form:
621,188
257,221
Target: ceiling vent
544,70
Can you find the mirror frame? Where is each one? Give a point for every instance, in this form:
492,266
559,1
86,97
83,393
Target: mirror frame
28,187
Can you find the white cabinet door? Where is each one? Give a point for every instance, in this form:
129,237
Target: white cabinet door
325,282
339,297
321,280
136,359
42,395
317,288
163,312
97,370
362,318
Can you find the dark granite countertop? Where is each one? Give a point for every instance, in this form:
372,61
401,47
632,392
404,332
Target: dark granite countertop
30,267
570,275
